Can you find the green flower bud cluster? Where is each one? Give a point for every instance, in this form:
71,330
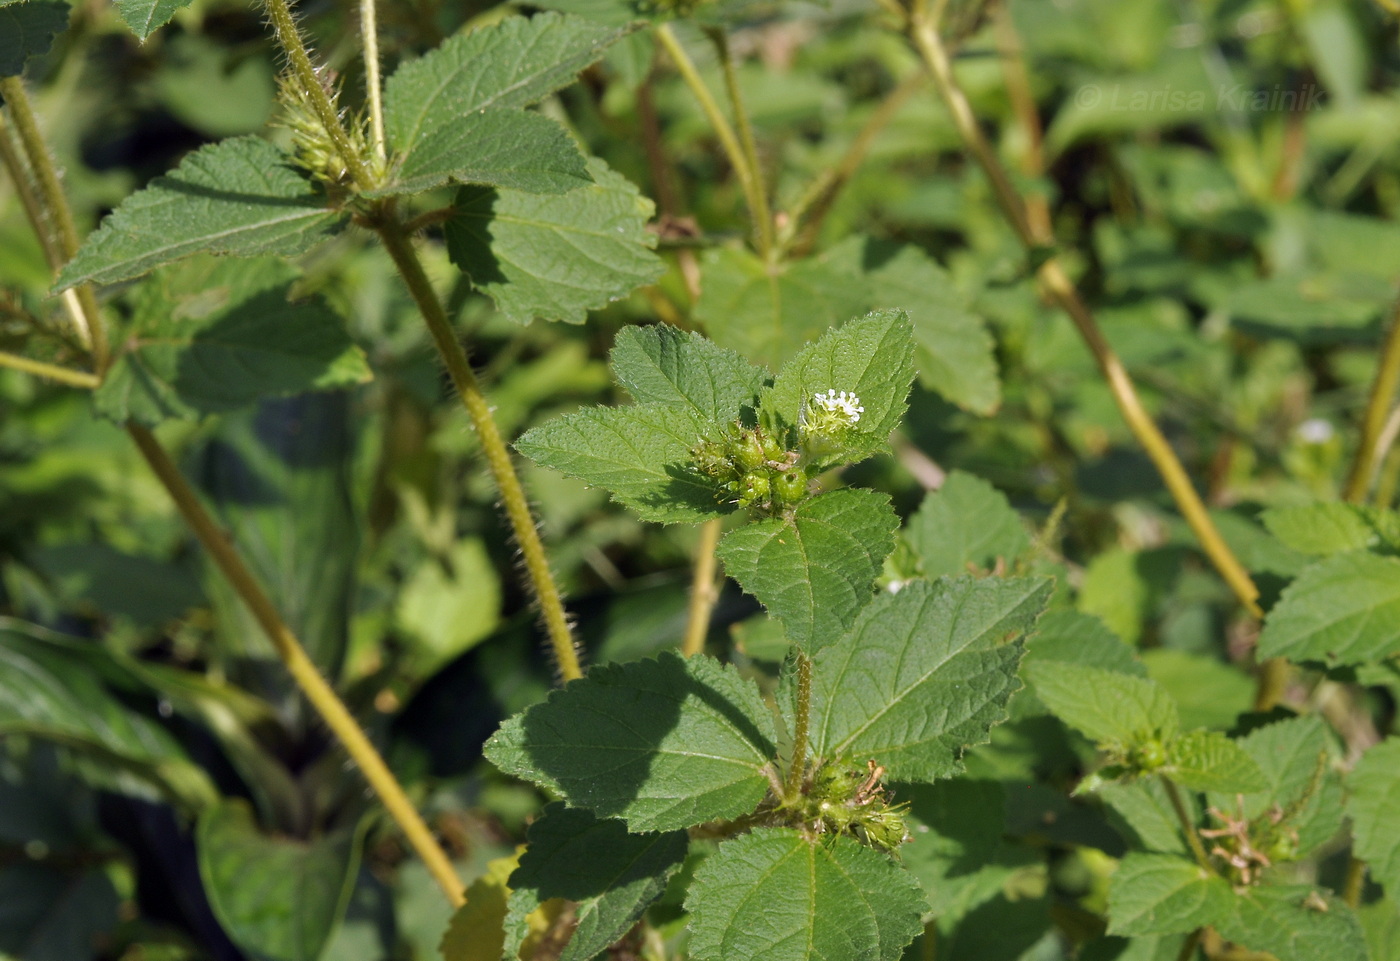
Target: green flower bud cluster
313,150
844,800
752,469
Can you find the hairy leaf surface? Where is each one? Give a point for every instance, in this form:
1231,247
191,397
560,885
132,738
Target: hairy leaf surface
641,454
612,876
815,570
923,674
772,895
555,257
965,522
1162,894
662,365
662,744
1342,610
1111,708
238,196
1374,804
27,30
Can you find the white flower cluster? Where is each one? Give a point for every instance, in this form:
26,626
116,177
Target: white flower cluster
844,405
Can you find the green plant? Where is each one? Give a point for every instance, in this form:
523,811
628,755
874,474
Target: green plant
955,729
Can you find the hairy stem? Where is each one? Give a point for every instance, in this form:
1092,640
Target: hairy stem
316,688
728,141
702,590
55,205
762,216
64,375
369,39
18,170
517,508
1062,291
1198,850
1377,410
797,771
284,25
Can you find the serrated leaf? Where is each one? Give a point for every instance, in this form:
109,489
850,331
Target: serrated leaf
923,674
966,522
1147,810
1373,799
954,352
1295,757
510,64
145,17
769,313
1079,638
476,931
611,874
1296,922
221,334
641,454
1323,528
662,744
555,257
239,196
1115,709
871,357
1162,894
662,365
773,895
27,30
1210,761
1340,611
816,569
504,148
277,899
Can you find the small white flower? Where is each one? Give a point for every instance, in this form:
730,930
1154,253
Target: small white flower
1315,431
844,405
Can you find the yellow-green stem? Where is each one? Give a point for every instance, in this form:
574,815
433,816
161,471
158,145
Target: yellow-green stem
1062,291
55,205
1272,682
317,689
1377,410
19,175
763,218
1193,838
289,38
797,771
702,590
727,140
64,375
1355,881
517,508
369,38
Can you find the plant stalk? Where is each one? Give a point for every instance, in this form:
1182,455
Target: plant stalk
19,175
517,508
369,38
1377,410
727,139
762,216
1198,850
1355,881
1189,946
797,771
284,25
1062,291
702,590
59,214
316,688
64,375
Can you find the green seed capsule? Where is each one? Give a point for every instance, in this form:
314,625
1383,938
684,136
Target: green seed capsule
790,488
1150,755
747,451
754,488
